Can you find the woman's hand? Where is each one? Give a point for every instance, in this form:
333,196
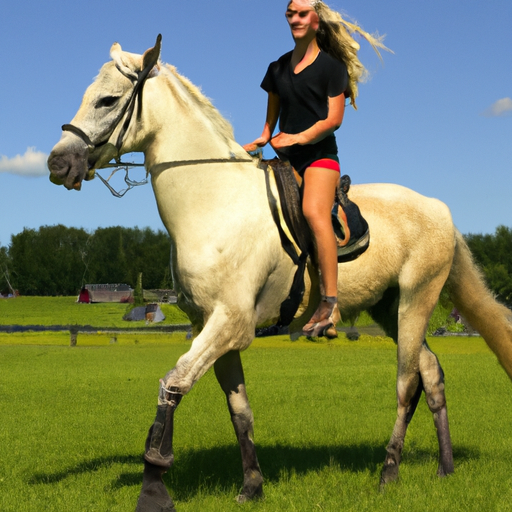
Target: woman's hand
284,140
258,143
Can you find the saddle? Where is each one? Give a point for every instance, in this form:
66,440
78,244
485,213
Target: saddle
350,228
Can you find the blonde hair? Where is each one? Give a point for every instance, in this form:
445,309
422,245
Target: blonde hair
334,37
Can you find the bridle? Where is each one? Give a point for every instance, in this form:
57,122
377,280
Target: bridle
127,112
128,107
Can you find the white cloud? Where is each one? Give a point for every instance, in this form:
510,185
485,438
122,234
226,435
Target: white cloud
501,108
32,163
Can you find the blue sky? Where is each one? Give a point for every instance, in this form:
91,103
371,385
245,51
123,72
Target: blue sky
436,117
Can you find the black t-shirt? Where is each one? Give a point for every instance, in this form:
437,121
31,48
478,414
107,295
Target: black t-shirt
304,100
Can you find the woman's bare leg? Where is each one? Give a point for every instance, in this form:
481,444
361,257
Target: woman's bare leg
318,197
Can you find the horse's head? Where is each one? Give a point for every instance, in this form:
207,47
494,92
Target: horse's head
95,135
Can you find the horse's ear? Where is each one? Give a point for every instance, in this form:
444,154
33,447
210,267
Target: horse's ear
151,56
123,62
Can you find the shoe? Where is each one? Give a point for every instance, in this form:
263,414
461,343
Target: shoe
326,326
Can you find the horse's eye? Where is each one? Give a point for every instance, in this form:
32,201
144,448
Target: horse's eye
107,101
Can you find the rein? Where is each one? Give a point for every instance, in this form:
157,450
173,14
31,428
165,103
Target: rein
132,183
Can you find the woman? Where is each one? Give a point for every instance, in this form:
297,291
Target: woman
307,88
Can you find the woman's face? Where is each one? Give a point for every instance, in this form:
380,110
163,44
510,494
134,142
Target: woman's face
302,18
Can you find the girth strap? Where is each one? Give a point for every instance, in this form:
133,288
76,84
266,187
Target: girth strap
289,198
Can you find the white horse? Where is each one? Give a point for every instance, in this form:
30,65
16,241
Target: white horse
232,273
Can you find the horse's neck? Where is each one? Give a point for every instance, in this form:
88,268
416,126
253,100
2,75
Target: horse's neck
187,130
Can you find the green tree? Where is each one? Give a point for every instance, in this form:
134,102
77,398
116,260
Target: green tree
56,260
493,253
5,286
151,256
118,255
107,258
48,261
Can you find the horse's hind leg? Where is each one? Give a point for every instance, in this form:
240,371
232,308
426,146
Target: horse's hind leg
418,367
396,443
433,383
385,313
431,380
229,373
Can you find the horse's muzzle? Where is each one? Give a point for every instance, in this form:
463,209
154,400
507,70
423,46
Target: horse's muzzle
68,163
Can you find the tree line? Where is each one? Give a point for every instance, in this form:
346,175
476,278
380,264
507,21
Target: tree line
493,253
57,260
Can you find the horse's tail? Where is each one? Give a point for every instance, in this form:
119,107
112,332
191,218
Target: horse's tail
476,303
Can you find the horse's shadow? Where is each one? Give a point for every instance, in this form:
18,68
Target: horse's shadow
220,467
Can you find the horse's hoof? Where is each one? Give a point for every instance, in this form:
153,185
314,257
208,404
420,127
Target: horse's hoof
147,504
243,498
155,499
442,471
253,487
389,474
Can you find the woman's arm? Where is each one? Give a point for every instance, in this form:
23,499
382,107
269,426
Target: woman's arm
273,106
319,130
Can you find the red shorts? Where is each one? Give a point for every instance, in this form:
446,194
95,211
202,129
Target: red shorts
326,163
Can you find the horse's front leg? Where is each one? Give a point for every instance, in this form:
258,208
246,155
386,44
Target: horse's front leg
219,335
158,457
229,373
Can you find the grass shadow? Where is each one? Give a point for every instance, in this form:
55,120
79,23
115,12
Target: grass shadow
87,466
220,468
415,456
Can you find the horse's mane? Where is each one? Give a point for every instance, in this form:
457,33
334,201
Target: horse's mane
222,125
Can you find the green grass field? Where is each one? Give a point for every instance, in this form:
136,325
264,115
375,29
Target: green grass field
74,421
66,311
48,311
